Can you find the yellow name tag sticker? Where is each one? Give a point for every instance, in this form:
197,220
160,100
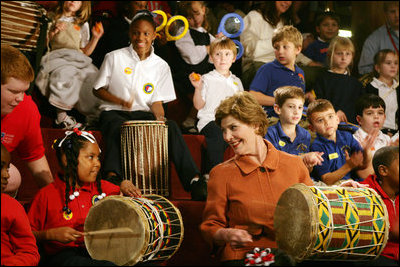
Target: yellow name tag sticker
333,156
281,143
128,70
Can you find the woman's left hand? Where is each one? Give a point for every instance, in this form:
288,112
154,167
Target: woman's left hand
354,184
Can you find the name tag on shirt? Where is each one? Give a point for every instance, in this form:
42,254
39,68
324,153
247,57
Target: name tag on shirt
333,156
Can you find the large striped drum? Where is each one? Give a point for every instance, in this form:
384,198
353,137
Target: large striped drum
144,146
155,230
337,223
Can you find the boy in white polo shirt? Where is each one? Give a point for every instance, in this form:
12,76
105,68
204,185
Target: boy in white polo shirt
210,90
134,83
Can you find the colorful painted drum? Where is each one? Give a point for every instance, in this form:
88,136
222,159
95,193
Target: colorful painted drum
336,223
156,224
144,149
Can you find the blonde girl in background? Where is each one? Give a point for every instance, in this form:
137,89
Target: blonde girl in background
336,84
67,83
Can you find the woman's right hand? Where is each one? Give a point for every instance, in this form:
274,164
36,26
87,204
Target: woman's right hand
63,234
236,237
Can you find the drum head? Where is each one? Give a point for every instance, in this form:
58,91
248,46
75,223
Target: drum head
122,249
293,221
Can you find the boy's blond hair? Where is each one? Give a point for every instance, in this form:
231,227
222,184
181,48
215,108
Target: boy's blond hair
244,107
318,105
15,65
223,43
284,93
288,33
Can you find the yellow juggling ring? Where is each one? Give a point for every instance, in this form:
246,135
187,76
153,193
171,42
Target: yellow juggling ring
174,18
164,16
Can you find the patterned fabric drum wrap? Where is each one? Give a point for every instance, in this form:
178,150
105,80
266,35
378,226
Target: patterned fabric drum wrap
156,224
144,147
338,223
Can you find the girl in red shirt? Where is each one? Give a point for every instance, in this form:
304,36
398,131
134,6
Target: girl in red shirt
58,212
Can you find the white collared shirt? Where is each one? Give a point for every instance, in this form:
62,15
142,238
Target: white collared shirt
125,75
388,94
380,141
192,54
216,88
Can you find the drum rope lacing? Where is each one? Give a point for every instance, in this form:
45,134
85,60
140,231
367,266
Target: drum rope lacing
160,226
141,135
332,227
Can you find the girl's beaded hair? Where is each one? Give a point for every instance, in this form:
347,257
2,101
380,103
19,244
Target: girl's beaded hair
70,146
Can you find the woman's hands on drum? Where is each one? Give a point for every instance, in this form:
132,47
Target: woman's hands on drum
128,189
63,234
352,183
237,238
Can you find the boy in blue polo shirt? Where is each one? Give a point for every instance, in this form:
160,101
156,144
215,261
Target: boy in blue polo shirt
287,135
342,152
283,71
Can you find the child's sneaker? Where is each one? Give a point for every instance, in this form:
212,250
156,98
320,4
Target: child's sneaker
69,123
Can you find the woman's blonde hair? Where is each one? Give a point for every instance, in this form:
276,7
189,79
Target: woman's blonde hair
82,15
340,43
245,108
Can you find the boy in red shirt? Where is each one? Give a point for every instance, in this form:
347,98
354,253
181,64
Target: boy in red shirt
18,245
20,117
386,183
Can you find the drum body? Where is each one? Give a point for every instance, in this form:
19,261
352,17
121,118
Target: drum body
21,23
337,223
144,146
156,223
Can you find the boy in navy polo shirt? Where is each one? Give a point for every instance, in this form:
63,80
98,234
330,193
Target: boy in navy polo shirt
283,71
287,135
342,152
327,27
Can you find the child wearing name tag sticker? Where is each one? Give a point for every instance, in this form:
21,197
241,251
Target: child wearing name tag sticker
342,152
58,211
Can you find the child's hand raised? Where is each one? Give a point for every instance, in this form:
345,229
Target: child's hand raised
313,158
98,30
355,160
195,79
63,234
342,117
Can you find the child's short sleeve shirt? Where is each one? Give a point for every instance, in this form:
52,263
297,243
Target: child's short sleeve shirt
272,75
20,130
334,153
46,211
282,142
124,75
216,88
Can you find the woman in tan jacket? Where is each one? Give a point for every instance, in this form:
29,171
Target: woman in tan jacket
243,191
